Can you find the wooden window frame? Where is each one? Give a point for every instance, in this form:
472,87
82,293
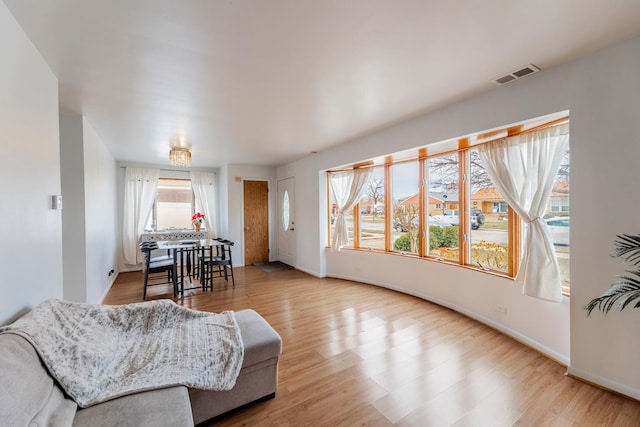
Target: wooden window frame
464,203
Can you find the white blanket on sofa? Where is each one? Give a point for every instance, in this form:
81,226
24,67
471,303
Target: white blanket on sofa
99,352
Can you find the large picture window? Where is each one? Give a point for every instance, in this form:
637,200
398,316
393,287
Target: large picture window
443,205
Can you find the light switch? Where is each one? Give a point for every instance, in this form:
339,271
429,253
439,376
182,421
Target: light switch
56,203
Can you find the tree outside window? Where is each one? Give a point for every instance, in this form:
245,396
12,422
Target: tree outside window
372,212
443,226
406,206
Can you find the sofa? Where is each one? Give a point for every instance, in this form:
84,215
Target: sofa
29,396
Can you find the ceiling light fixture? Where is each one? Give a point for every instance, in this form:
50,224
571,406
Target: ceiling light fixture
179,153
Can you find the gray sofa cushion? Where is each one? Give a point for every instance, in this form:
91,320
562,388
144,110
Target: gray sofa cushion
28,395
259,375
162,407
261,341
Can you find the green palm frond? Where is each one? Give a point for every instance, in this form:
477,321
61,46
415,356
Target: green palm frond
625,290
627,247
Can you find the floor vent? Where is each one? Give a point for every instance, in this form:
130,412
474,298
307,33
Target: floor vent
517,74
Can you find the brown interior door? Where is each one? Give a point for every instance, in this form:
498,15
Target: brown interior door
256,222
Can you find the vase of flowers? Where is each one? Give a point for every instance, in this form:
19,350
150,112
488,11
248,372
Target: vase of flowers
197,219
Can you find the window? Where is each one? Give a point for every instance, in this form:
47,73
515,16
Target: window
443,224
285,211
174,204
333,210
499,207
558,220
440,203
405,206
373,213
333,214
489,222
559,205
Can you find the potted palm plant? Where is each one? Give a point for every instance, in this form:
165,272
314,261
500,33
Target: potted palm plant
626,288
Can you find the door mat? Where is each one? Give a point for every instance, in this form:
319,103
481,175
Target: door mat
272,267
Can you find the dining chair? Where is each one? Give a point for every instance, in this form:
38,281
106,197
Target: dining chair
155,267
216,261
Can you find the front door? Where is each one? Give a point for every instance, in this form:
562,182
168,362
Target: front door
286,222
256,222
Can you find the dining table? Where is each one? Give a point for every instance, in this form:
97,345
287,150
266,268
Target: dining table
186,254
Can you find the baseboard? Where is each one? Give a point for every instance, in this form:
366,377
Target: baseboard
310,272
604,383
114,277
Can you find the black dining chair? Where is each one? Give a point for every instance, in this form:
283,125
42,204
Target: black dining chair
154,268
216,261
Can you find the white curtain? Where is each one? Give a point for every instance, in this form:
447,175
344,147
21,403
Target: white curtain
523,169
140,188
204,188
348,188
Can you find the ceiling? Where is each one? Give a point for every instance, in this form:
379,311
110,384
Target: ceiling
268,82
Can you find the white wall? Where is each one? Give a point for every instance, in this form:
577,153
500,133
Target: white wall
100,215
89,215
602,93
31,253
234,209
223,201
74,249
605,154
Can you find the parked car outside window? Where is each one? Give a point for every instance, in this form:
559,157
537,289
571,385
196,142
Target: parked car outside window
559,229
477,218
452,217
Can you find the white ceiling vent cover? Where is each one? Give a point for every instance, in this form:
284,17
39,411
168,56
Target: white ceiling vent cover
517,74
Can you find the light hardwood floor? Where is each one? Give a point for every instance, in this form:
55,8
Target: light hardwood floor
355,354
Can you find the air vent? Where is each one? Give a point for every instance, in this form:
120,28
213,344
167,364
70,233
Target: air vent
518,74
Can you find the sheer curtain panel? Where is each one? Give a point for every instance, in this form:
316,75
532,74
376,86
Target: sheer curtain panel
348,188
140,188
204,188
523,169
